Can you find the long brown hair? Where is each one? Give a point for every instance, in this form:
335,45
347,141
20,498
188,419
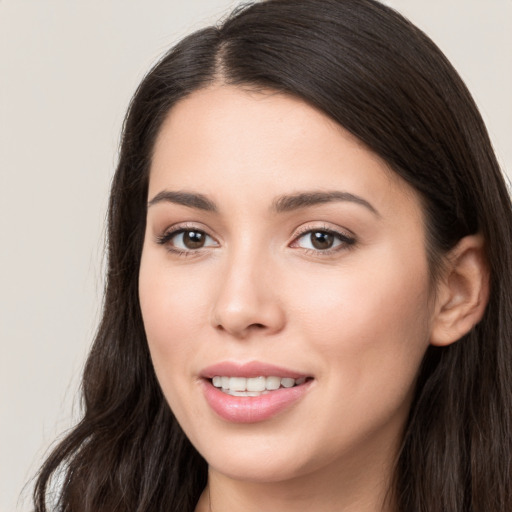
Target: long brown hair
382,79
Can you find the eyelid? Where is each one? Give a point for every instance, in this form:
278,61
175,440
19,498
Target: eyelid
345,236
323,226
172,231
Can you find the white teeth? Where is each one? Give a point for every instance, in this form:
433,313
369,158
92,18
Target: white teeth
238,384
287,383
246,393
254,386
273,383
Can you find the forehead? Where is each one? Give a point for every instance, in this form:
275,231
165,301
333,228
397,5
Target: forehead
225,140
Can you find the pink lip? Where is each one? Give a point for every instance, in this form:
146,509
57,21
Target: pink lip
250,369
242,409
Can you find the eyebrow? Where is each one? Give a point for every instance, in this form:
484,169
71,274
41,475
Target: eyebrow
292,202
281,204
192,200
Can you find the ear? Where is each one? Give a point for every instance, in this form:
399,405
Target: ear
462,293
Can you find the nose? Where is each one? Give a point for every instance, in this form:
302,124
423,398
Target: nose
247,300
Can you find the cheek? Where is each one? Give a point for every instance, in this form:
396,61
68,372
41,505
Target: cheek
173,310
368,334
370,324
383,299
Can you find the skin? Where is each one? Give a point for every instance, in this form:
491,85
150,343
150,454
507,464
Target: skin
357,318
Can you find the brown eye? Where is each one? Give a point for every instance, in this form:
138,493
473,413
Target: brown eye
193,239
321,240
183,240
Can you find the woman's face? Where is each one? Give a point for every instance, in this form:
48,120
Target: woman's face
279,251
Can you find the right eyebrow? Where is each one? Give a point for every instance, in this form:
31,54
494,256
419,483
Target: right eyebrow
189,199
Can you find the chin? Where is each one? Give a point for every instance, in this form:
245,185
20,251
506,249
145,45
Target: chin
251,467
258,458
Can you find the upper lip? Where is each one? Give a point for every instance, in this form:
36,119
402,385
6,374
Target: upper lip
249,369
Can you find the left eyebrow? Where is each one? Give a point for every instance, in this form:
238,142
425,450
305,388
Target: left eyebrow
299,200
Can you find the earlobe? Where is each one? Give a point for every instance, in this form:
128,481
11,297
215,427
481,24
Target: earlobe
463,292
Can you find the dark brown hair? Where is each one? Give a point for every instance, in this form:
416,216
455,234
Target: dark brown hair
382,79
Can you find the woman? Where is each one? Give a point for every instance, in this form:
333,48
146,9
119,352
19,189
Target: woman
307,304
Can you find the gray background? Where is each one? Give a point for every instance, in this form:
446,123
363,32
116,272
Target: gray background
67,71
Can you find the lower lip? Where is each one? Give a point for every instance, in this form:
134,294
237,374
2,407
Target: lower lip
245,409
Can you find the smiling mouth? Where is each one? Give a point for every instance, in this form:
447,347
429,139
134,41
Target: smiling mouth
254,386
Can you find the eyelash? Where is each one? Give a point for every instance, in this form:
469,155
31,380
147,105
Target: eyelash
167,236
346,240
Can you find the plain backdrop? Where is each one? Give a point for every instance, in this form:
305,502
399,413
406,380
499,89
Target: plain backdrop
67,72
